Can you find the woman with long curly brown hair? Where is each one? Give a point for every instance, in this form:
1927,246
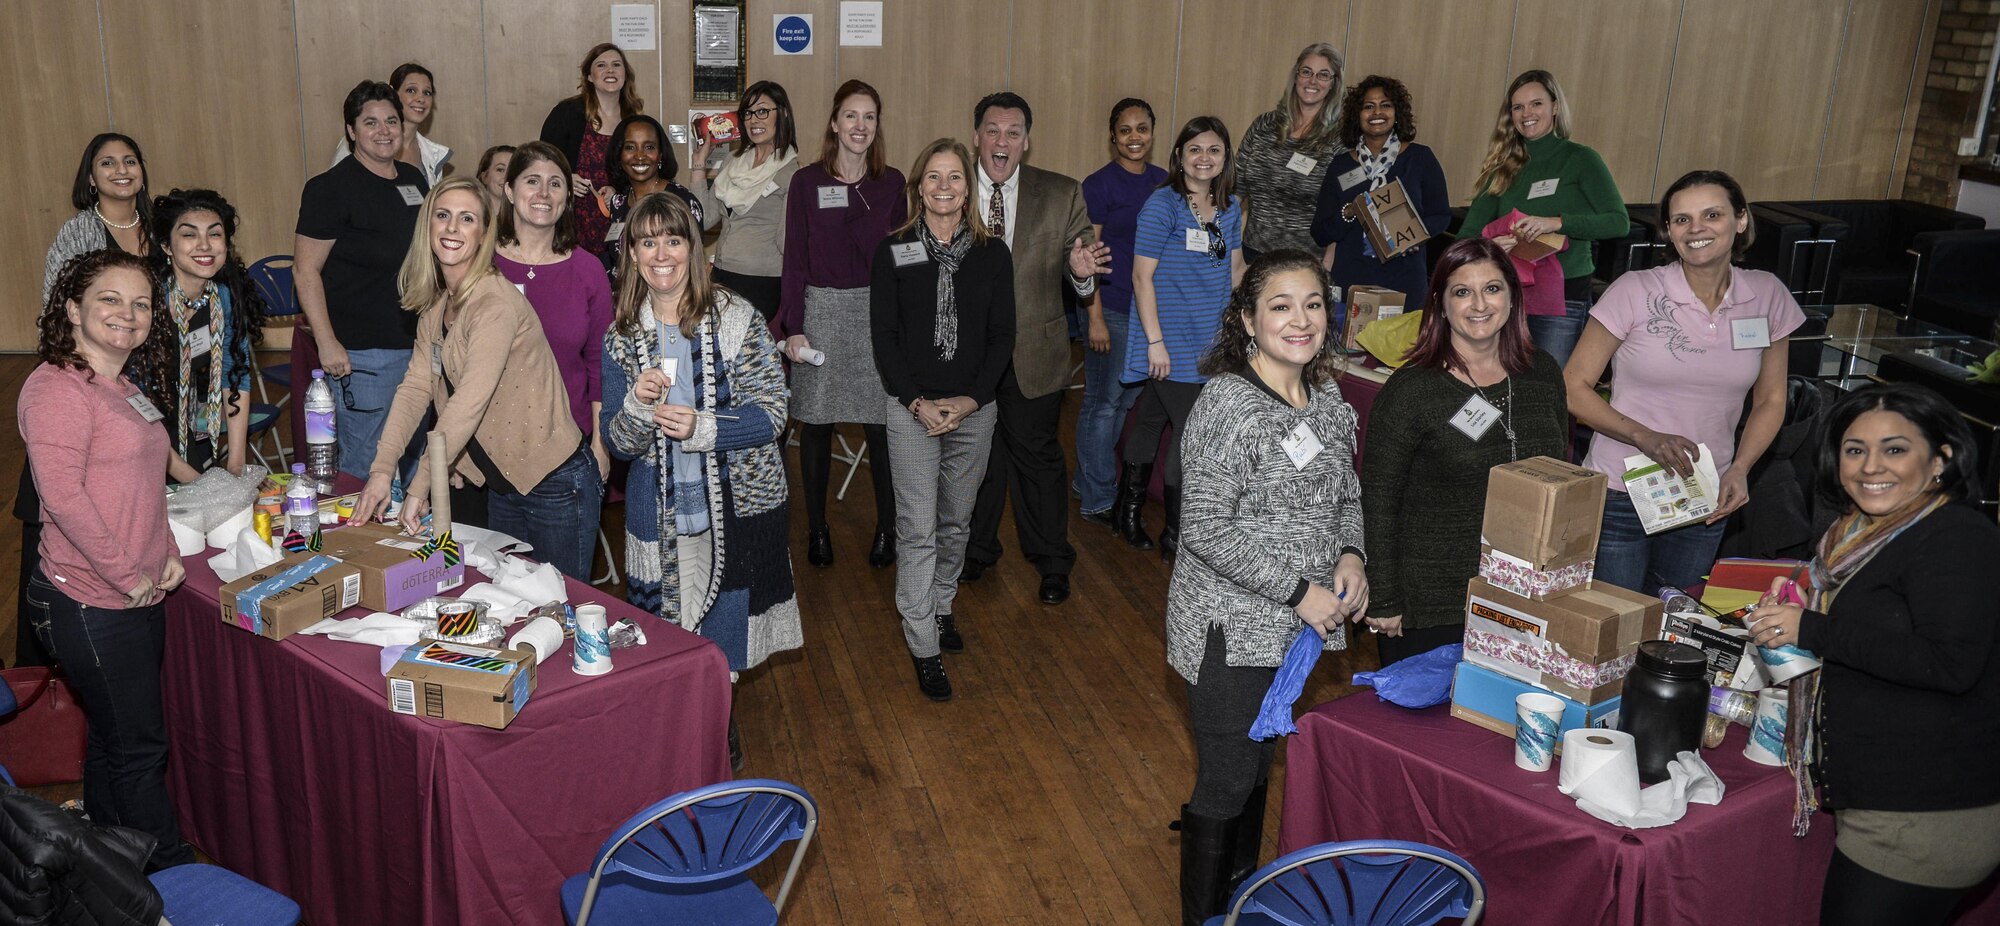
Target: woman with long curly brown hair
107,555
580,127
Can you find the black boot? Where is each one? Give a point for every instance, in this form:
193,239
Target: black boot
931,679
1128,510
1205,847
1247,838
1170,536
819,547
882,553
949,639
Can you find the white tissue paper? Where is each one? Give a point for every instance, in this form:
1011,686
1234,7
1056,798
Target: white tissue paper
377,629
1689,781
247,554
483,549
518,586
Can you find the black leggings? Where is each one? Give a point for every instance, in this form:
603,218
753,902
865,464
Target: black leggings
1162,403
1856,896
816,470
1222,706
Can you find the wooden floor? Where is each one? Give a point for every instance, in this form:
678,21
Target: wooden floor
1040,794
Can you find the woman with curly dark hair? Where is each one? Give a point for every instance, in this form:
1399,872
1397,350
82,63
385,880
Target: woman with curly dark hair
107,555
216,318
1378,125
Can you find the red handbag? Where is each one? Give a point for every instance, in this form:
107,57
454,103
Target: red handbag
42,742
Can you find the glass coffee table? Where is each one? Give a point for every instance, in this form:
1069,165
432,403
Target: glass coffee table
1859,336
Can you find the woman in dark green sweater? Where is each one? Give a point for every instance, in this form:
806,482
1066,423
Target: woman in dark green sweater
1559,186
1472,394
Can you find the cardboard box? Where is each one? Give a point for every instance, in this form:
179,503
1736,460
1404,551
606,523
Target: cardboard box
1544,511
391,578
1366,304
467,684
1724,651
1579,645
1540,581
1390,220
1485,698
290,595
1664,500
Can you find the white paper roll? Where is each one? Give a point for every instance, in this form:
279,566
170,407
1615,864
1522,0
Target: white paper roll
542,635
1767,732
186,539
1602,767
592,654
225,533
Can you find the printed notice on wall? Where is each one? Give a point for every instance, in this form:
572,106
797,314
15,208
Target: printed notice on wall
715,36
633,27
861,22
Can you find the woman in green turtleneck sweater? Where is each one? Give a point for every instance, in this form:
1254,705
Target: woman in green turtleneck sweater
1559,185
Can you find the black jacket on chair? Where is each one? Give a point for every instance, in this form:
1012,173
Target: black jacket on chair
58,869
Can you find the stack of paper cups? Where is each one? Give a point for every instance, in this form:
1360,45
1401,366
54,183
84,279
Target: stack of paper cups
593,641
1537,718
1602,767
543,635
1767,734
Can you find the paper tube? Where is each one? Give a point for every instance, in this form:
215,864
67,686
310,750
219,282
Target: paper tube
1602,767
1767,734
1537,718
543,635
440,484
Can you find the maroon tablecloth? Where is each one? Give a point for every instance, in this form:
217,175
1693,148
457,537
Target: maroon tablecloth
1363,769
287,766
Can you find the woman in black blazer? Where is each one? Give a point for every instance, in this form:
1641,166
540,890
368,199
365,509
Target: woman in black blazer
941,303
1902,610
1378,126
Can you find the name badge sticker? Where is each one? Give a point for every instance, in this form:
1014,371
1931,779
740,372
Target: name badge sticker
616,230
770,186
1301,164
411,196
144,407
200,342
1302,445
1353,178
833,197
1475,417
1197,240
1542,188
1750,333
909,254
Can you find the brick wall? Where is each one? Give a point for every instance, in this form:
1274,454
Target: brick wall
1950,109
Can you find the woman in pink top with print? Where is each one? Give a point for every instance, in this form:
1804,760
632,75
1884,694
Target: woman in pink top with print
1690,340
99,454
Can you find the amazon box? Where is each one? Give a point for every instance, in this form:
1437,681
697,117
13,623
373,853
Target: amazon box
1544,512
1366,304
290,595
393,577
1390,220
1579,646
467,684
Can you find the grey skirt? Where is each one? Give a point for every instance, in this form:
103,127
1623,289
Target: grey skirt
847,388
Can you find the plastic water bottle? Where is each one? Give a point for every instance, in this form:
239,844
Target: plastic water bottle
301,503
322,454
1679,602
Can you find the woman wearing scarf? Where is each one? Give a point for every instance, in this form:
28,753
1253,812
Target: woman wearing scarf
942,308
217,318
747,195
1378,125
1901,726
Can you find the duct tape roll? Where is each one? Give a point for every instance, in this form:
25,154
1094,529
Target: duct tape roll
542,635
1601,767
1767,735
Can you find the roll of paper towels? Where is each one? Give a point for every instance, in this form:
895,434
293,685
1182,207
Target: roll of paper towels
187,540
1602,767
225,533
543,635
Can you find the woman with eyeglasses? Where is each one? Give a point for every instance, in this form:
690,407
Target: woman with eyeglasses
746,196
1286,152
1187,254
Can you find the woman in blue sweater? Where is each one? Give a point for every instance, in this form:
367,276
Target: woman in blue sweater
1379,126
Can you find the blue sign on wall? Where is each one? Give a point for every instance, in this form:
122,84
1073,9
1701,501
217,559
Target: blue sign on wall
792,34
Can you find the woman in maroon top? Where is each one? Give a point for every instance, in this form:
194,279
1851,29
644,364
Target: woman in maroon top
580,128
108,560
836,211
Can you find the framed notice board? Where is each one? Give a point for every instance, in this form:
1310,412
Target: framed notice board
718,51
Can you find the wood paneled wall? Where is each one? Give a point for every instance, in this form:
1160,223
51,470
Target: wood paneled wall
1798,98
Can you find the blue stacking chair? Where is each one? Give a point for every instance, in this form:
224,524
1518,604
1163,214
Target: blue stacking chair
273,278
686,859
8,705
204,895
1368,882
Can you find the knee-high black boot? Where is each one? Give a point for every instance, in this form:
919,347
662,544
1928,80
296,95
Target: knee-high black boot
1128,512
1247,839
1205,847
1170,536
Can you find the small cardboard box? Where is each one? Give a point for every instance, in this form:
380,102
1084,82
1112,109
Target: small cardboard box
467,684
1579,645
1544,511
391,578
1725,651
1390,220
290,595
1540,581
1366,304
1485,698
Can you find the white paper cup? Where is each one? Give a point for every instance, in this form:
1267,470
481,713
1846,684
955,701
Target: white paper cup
1787,662
1767,732
1537,720
592,654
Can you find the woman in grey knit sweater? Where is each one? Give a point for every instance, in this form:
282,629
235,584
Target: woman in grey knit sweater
1270,538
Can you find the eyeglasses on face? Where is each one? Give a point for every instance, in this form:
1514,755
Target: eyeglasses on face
761,112
1325,77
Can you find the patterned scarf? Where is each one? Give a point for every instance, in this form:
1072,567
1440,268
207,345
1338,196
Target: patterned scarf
740,182
202,414
948,258
1847,546
1376,166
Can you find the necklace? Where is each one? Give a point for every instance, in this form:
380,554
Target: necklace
100,217
1507,417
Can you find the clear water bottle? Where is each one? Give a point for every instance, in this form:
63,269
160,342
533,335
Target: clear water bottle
301,503
1679,602
322,455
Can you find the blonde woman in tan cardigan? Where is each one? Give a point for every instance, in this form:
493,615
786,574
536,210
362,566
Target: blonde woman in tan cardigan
482,362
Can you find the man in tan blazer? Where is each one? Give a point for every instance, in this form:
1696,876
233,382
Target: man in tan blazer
1041,216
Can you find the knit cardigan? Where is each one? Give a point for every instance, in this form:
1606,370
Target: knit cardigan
750,608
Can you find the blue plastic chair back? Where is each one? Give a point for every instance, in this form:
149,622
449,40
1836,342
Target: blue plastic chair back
711,833
8,705
1371,882
273,277
205,895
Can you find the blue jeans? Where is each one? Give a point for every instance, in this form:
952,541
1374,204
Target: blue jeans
1558,334
1098,423
361,406
1627,558
112,656
558,517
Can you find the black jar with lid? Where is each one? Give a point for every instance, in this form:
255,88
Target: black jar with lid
1664,703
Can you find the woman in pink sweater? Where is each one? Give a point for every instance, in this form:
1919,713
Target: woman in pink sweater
99,455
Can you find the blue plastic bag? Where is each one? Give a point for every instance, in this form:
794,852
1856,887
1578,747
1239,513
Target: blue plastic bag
1421,681
1274,717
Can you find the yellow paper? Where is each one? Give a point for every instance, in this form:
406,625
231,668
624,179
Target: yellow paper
1391,338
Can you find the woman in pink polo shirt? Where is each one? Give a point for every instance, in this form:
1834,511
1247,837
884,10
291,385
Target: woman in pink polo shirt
1690,340
99,454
